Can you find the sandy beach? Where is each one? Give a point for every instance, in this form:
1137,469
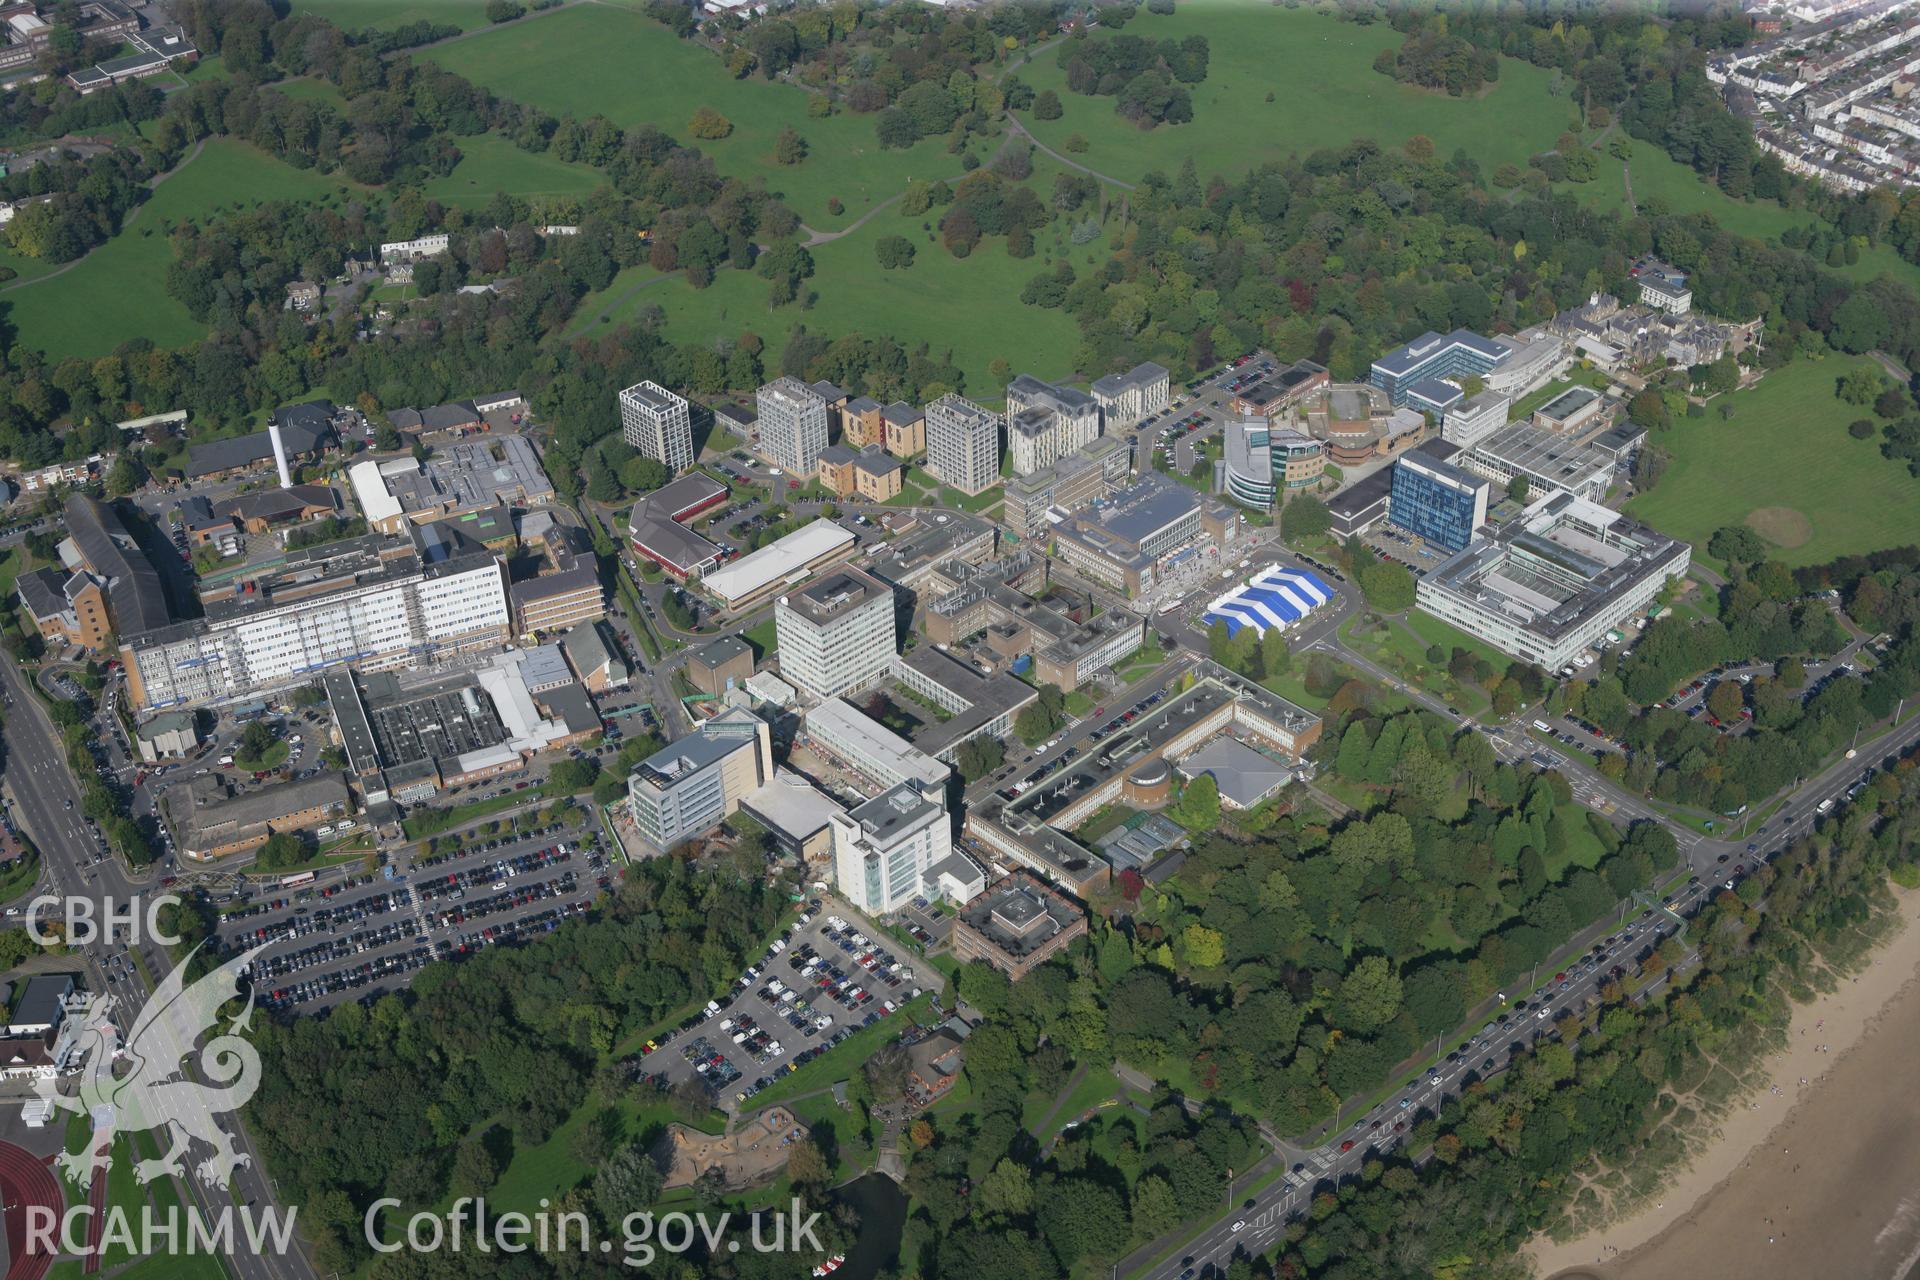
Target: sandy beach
1816,1180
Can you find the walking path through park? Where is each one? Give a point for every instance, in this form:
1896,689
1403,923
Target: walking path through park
131,218
1013,123
1045,1122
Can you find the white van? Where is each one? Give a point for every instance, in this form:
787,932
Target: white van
1543,726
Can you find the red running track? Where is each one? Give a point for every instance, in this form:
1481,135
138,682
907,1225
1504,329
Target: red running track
26,1180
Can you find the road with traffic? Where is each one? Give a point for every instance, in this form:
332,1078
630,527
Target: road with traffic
48,803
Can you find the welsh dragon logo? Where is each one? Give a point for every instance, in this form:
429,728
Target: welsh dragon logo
152,1090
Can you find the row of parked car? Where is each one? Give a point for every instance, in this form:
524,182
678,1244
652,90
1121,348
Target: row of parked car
507,900
347,979
330,949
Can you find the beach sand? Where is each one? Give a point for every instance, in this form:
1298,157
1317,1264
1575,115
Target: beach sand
1815,1181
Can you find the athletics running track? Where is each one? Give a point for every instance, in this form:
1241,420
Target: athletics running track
26,1180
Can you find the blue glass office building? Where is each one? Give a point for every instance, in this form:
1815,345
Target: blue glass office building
1437,501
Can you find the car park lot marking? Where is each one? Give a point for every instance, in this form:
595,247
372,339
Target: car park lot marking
823,979
365,936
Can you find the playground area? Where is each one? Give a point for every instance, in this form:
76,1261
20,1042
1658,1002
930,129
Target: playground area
750,1155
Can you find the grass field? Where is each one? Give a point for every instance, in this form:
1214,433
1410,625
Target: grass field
490,163
1785,464
857,296
312,89
1325,92
1657,177
118,291
385,15
560,61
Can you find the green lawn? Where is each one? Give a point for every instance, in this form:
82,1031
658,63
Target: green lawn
613,303
118,292
1319,72
385,15
21,875
11,565
272,758
561,61
490,163
1578,377
1396,648
1785,464
551,1169
857,296
312,89
1144,659
460,815
1099,1086
763,638
1657,177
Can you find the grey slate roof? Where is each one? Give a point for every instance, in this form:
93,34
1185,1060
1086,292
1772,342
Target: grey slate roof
134,594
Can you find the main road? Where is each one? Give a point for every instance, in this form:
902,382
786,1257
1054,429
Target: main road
1256,1223
48,802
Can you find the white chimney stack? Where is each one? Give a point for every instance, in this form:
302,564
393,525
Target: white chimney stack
279,454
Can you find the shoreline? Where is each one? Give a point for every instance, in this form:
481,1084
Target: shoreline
1846,1021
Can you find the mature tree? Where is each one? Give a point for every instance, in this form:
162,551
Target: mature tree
1369,995
1304,517
893,252
709,125
1198,808
789,148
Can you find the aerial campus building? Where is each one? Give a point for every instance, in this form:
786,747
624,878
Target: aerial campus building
1553,581
1437,501
372,603
753,578
896,847
837,634
1034,828
655,422
1045,422
691,786
1126,398
1262,464
1415,374
658,527
1273,599
963,444
793,425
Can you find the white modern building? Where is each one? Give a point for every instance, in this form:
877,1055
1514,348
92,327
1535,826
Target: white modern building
419,247
836,635
1663,286
1045,423
752,578
869,749
963,444
689,787
1556,580
883,849
1474,419
372,603
793,426
1126,398
655,422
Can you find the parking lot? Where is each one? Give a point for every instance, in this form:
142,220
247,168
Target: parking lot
827,976
361,937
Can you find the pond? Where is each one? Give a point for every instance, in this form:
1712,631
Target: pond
882,1207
